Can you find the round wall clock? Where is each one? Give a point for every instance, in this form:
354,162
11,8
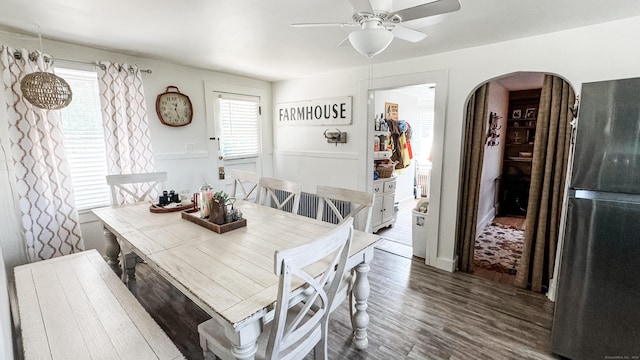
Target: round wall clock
174,108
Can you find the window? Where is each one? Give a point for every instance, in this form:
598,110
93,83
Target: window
423,130
238,126
84,139
424,133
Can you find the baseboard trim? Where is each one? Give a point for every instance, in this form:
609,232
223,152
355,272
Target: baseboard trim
445,264
484,222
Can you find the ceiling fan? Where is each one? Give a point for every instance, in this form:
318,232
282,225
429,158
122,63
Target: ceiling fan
379,27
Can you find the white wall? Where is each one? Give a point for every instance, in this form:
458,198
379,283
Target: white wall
185,170
301,153
599,52
498,102
407,110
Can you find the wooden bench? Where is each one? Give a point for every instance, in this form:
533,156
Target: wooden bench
75,307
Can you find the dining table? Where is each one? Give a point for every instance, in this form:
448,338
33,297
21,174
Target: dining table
230,275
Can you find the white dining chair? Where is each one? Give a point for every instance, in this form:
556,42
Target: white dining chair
270,188
245,185
132,188
127,189
300,322
360,202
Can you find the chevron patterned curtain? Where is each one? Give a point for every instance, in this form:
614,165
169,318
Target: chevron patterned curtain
124,114
43,183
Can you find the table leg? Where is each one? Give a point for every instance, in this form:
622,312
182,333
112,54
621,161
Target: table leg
360,320
112,251
244,340
129,261
244,352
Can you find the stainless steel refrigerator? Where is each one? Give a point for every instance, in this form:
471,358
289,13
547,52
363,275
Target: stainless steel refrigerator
597,311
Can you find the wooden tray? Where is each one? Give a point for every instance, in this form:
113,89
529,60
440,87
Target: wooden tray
194,216
155,208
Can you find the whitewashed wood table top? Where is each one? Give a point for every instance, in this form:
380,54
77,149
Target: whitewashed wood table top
229,275
75,307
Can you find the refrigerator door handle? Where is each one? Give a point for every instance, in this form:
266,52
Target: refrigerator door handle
604,196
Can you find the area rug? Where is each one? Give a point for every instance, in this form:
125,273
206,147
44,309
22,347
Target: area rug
498,248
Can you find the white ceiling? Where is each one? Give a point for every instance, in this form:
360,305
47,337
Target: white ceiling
253,37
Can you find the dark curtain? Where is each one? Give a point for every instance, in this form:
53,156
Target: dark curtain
546,193
469,193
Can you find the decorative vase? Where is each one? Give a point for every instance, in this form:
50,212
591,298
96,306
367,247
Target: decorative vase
217,211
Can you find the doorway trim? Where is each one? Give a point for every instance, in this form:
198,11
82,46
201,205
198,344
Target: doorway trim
441,80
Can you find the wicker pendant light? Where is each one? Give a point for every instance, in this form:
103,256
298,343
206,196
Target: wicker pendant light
46,90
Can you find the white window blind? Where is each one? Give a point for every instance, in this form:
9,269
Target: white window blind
239,126
423,135
84,139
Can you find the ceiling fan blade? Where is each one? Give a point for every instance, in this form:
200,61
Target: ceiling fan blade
344,42
361,6
433,8
407,34
300,25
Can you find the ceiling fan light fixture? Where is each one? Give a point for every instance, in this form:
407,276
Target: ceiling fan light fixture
370,42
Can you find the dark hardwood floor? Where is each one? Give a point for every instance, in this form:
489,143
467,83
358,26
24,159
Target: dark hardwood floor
400,232
416,312
504,278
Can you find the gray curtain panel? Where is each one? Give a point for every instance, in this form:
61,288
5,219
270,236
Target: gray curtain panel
475,136
546,193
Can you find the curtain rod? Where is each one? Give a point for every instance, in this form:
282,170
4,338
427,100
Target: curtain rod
96,63
18,55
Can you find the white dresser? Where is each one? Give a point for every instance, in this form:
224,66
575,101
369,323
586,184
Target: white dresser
384,189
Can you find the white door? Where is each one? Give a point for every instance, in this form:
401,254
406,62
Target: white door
235,136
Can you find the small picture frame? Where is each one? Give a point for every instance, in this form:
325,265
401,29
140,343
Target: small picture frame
516,114
530,113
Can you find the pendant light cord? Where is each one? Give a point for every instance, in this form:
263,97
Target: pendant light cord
40,39
370,73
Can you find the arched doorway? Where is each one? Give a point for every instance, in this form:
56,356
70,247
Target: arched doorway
516,152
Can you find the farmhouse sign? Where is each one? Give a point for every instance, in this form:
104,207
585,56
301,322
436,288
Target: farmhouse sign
334,111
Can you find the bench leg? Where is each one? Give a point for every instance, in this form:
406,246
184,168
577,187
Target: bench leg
112,251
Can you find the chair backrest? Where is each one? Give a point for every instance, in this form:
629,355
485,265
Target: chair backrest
245,185
131,188
269,193
296,337
360,201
